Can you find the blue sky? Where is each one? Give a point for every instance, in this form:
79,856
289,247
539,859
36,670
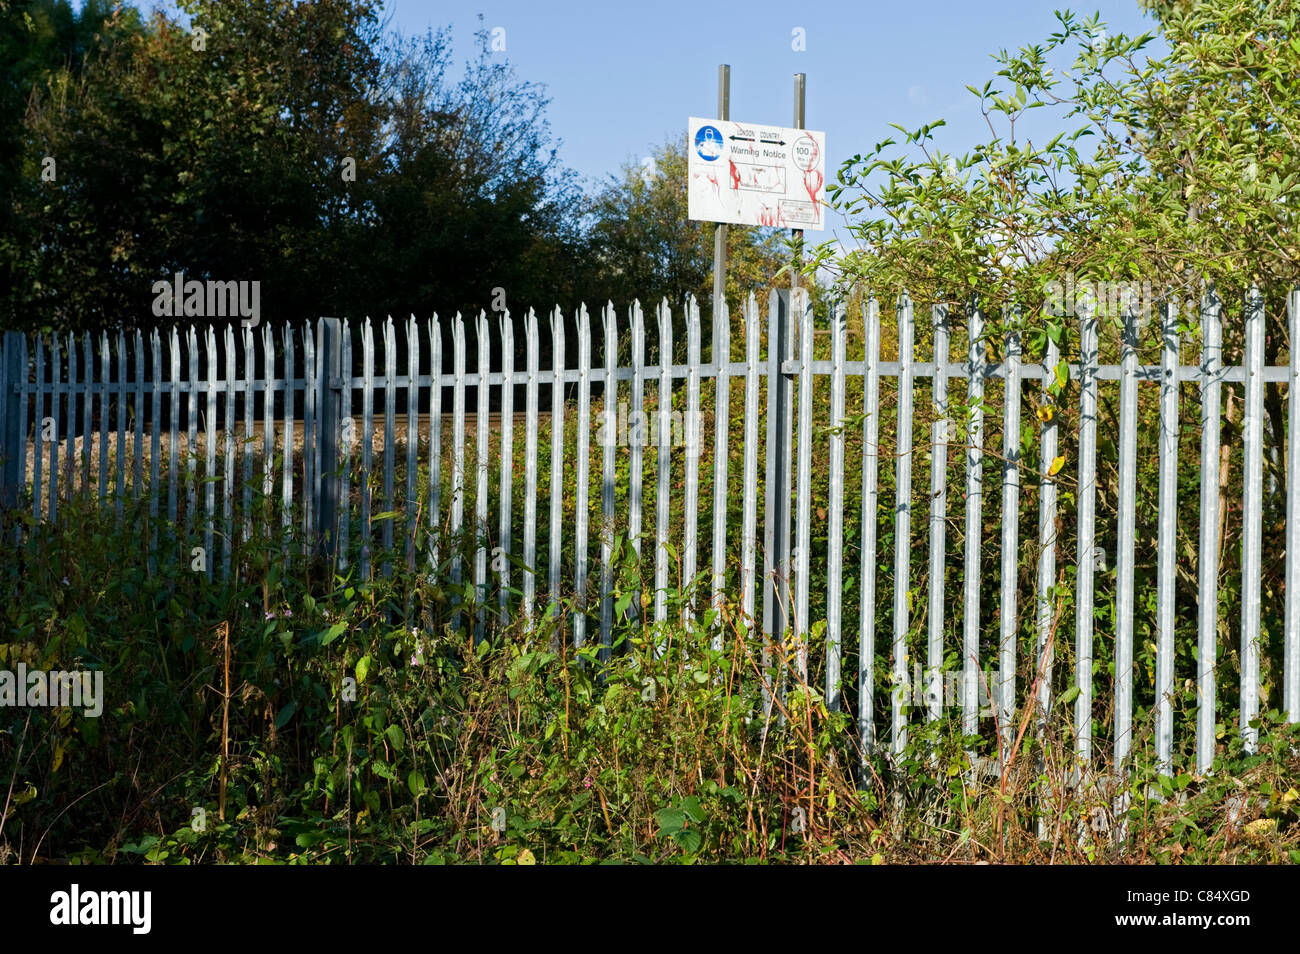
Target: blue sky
623,76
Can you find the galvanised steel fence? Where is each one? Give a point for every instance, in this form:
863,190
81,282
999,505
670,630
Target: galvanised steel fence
304,401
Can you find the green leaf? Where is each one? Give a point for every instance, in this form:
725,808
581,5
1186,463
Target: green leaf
333,633
689,839
670,820
691,806
286,714
415,782
624,601
1069,695
363,667
395,737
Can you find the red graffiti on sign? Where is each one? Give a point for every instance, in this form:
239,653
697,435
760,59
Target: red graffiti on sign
812,183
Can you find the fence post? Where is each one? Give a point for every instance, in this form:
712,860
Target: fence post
977,357
13,372
870,527
776,530
803,516
900,692
1008,616
1208,560
1086,551
1126,535
329,404
1167,541
1252,519
1291,614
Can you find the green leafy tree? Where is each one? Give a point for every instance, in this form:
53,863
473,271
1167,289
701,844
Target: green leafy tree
295,145
472,197
1183,167
40,41
213,150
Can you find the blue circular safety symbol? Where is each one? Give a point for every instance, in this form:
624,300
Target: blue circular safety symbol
708,143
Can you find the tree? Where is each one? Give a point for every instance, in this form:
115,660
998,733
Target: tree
293,145
1185,167
39,40
213,151
1218,129
472,197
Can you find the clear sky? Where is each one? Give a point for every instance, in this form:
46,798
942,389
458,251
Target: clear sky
623,76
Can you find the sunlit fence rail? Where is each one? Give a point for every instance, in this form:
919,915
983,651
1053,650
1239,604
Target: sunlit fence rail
744,468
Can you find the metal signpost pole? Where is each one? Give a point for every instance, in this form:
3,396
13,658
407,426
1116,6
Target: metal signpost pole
797,234
793,324
720,231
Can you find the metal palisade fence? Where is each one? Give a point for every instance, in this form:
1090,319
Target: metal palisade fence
306,428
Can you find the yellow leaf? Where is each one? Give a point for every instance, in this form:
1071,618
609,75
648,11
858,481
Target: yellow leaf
1057,464
1260,829
525,858
1045,413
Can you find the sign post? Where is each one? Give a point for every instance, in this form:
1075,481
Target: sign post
720,232
797,233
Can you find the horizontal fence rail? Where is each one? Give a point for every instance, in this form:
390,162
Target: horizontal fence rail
448,444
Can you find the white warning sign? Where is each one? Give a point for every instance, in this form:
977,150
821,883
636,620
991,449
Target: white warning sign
746,174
